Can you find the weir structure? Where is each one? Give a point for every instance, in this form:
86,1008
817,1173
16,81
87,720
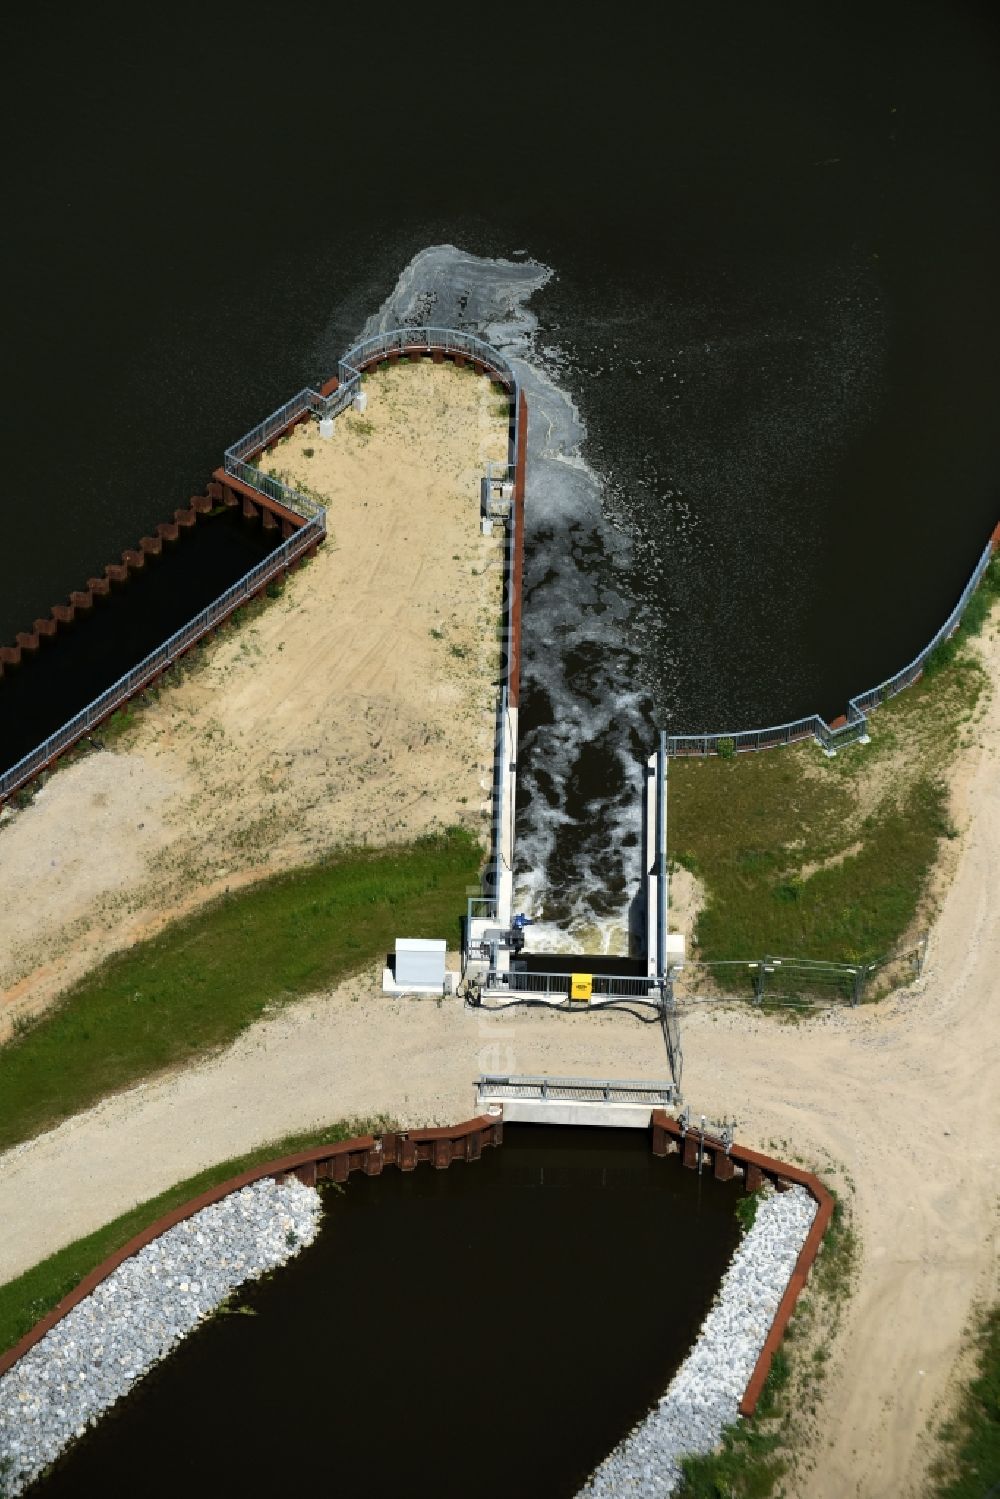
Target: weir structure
498,972
492,945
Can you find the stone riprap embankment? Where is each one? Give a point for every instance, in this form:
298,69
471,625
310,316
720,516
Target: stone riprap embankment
704,1394
135,1317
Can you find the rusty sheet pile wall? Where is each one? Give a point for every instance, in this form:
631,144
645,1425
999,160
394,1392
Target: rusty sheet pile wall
369,1154
726,1161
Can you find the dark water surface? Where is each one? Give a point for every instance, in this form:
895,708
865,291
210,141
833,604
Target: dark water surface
494,1328
774,231
82,660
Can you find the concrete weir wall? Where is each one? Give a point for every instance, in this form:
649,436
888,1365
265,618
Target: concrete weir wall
495,911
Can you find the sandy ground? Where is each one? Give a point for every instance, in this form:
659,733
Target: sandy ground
351,1052
357,707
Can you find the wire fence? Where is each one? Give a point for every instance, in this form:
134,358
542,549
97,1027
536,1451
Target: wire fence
803,982
162,658
855,726
769,980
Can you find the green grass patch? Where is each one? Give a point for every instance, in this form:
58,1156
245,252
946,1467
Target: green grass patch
809,857
26,1299
750,1461
118,724
779,821
746,1210
969,1467
199,983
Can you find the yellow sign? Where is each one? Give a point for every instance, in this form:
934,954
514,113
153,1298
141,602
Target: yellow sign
581,986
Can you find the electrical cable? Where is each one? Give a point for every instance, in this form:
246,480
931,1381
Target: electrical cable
567,1007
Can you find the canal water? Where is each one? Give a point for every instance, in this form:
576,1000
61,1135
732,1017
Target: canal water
772,237
492,1329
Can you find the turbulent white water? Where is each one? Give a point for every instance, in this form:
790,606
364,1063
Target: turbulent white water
584,725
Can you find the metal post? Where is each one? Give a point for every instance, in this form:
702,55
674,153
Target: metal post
759,981
661,857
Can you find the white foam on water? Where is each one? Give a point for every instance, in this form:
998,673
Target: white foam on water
584,720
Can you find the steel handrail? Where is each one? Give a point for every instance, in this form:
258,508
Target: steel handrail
161,658
814,727
350,368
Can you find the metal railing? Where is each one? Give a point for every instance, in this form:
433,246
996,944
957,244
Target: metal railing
553,985
797,981
413,340
274,488
350,368
738,741
163,657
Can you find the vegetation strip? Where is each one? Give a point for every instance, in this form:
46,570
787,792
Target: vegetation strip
969,1466
204,979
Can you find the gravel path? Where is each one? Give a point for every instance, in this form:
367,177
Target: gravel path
704,1394
134,1318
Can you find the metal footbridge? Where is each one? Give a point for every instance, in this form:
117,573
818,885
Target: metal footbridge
625,1104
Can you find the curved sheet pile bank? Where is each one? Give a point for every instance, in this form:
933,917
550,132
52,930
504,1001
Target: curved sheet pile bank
704,1395
101,1348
